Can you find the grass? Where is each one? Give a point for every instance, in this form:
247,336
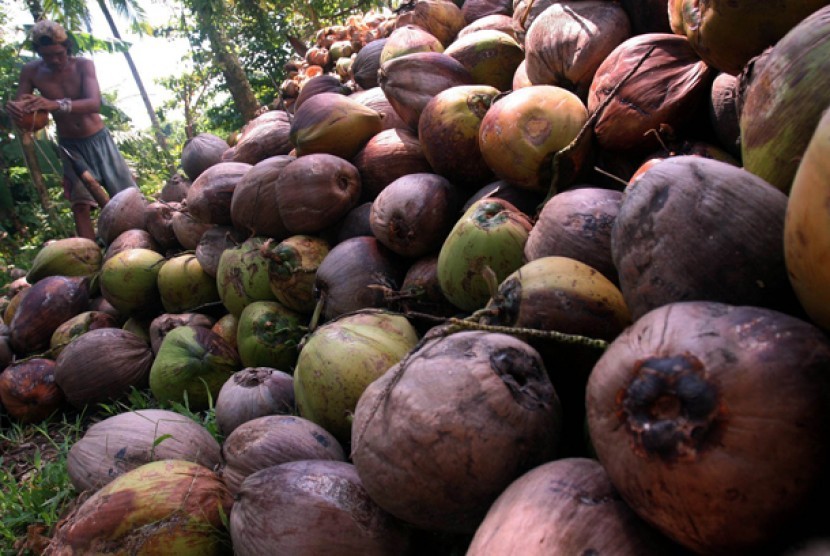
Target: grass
35,488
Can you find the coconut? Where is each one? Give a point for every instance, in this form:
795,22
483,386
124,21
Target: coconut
158,219
213,243
723,113
209,197
577,224
670,86
87,378
314,191
334,124
353,275
119,444
734,220
164,323
178,505
326,493
569,40
414,214
268,335
785,101
270,440
192,363
226,327
409,39
45,306
568,506
242,276
487,240
354,224
528,202
524,12
254,204
131,239
521,132
265,136
72,256
129,281
806,237
6,351
448,133
325,83
14,303
387,156
253,392
340,359
188,230
184,286
483,14
30,121
420,292
490,56
77,325
439,436
726,34
375,99
201,152
364,69
681,416
125,211
175,189
292,269
440,18
410,81
28,391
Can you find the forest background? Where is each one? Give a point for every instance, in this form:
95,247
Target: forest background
233,65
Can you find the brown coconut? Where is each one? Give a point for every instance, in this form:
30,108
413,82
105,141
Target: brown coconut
209,197
158,221
269,440
669,88
409,39
200,153
45,306
355,223
86,378
569,40
188,230
568,506
440,18
410,81
124,211
265,136
440,435
723,113
175,189
387,156
691,228
328,494
28,391
334,124
476,10
164,323
325,83
413,215
314,191
364,69
132,239
120,443
686,410
254,205
375,99
253,392
577,224
213,243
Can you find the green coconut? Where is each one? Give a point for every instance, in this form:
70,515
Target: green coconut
268,335
483,248
72,256
784,102
341,358
78,325
490,56
242,276
170,506
192,362
292,267
128,281
184,285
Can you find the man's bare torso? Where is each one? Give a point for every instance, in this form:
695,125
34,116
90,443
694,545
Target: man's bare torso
66,83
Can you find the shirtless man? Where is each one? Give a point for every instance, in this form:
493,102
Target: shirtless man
69,89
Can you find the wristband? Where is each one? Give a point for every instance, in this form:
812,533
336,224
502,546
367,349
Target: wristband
64,105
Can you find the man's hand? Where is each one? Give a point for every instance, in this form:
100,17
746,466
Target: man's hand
33,103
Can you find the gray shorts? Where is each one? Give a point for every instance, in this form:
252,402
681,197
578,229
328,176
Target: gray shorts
105,164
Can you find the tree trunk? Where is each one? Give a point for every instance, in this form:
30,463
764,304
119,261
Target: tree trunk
228,62
35,8
27,140
160,139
